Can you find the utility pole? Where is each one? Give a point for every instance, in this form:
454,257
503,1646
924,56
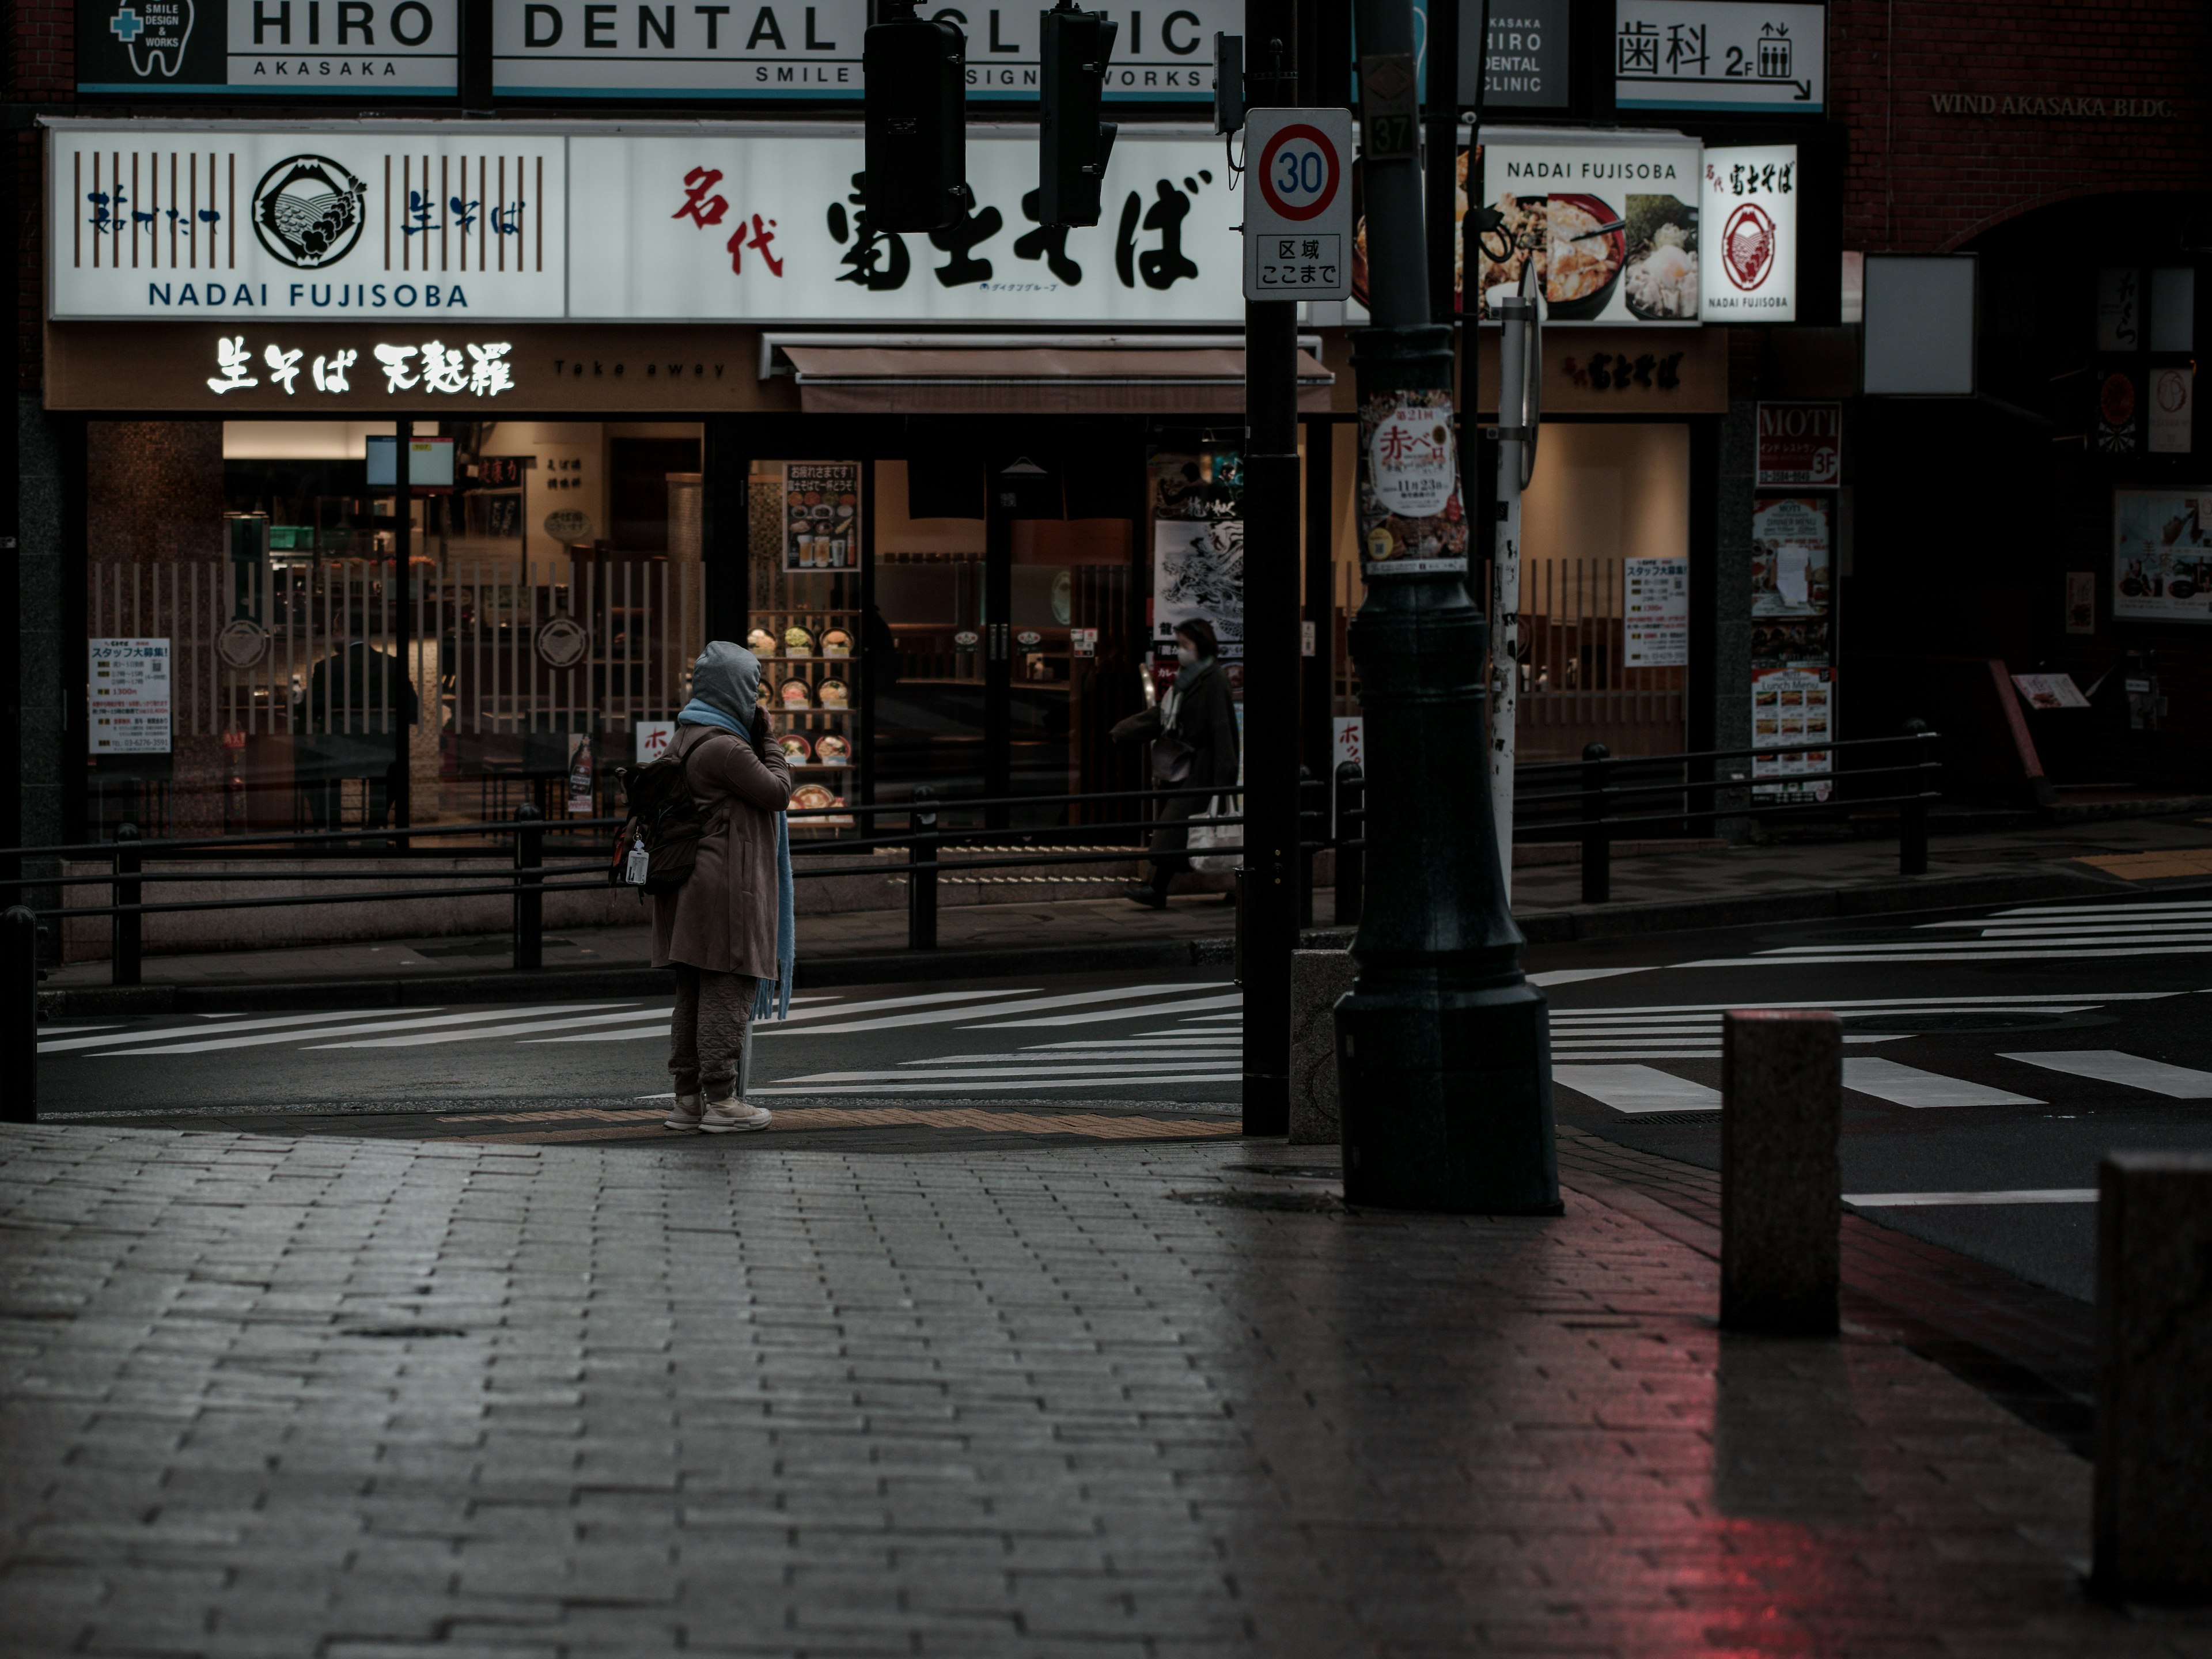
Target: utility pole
1444,1048
1271,661
1520,373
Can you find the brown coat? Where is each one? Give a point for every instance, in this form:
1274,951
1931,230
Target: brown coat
723,919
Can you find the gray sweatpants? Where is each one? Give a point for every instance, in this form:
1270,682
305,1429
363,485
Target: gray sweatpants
711,1036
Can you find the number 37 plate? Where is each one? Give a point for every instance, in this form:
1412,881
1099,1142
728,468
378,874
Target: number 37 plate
1297,204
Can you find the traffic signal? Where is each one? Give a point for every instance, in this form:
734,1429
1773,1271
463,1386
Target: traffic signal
915,72
1072,143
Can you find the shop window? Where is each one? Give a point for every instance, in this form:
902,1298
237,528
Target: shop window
807,531
533,647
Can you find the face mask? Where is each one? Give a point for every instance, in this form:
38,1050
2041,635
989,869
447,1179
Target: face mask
1185,655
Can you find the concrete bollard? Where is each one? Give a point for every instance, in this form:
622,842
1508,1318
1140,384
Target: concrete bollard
2154,1482
1782,1119
1319,980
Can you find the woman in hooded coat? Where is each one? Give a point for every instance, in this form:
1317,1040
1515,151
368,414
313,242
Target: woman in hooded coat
1199,716
721,929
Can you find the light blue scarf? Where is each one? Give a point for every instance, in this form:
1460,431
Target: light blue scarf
725,680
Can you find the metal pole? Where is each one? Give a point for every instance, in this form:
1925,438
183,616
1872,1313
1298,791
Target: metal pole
1516,440
1444,1051
1351,825
528,900
1597,844
1272,501
921,884
403,544
19,1016
1912,816
1441,179
125,966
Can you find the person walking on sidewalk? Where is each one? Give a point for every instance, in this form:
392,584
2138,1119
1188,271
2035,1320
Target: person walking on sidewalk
728,930
1193,745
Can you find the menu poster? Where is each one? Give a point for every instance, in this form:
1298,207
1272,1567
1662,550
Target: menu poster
1789,545
821,516
1609,220
2081,601
2162,554
1790,705
2049,691
129,697
1657,612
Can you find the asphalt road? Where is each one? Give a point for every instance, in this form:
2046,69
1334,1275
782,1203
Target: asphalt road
1992,1055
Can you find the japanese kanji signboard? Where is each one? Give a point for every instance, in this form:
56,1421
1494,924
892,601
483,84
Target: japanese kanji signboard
1298,219
1747,209
290,48
1719,54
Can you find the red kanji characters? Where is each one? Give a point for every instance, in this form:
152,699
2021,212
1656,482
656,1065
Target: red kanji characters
699,207
764,233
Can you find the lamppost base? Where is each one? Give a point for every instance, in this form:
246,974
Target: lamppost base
1446,1091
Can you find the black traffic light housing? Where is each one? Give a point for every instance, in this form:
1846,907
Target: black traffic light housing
915,73
1072,143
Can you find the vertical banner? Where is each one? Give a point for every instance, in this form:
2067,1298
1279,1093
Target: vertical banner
821,516
129,697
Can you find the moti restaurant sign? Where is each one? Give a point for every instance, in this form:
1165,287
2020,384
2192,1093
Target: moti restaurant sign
293,48
588,49
1800,443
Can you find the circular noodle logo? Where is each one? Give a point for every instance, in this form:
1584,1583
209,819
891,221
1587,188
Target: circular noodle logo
308,211
242,643
562,642
2173,391
1748,248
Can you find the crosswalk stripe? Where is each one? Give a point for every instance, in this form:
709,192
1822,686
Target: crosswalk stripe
1930,1004
831,1008
2131,1071
997,1083
1178,1044
910,1074
1908,1085
657,1028
1231,1000
2095,936
1210,1054
422,1039
2150,908
1024,1004
2019,1196
1636,1088
1929,954
164,1031
1577,975
262,1039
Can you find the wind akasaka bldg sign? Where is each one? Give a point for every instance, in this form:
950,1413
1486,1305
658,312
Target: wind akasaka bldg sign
640,49
151,222
430,233
290,48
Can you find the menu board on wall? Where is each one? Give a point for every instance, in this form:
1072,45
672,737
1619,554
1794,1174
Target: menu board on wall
821,516
1610,222
1793,677
1656,613
1789,705
2162,554
1790,556
129,702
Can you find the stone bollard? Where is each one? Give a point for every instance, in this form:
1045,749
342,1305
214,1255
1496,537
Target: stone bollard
2153,1483
1782,1119
1318,980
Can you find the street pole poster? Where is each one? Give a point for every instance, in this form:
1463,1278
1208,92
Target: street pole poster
129,697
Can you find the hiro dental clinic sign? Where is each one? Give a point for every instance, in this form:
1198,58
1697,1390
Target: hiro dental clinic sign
428,230
785,49
291,48
158,222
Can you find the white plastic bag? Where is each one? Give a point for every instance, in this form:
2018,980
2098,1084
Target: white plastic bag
1216,849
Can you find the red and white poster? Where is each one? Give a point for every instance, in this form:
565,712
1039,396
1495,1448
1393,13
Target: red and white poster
1748,218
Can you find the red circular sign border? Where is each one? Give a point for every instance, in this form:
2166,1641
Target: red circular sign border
1283,135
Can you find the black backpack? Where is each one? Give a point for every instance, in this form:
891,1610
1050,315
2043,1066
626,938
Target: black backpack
660,844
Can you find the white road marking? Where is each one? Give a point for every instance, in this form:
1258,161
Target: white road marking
658,1028
2019,1195
1092,1068
421,1039
1636,1088
1908,1085
262,1039
1231,1000
1577,975
2071,938
1177,1042
998,1082
2039,999
933,999
163,1031
1027,1004
2147,906
1931,954
64,1030
2131,1071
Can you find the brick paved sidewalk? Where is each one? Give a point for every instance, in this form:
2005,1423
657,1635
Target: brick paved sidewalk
360,1399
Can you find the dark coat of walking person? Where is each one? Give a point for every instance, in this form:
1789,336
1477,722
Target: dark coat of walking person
725,931
1195,723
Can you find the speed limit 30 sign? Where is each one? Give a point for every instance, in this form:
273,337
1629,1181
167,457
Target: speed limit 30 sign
1297,208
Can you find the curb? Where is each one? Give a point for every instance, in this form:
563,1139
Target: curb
1544,927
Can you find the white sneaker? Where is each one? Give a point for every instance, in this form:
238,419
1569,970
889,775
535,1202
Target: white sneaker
684,1114
723,1117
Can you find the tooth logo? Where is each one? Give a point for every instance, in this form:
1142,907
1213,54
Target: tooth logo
153,32
308,211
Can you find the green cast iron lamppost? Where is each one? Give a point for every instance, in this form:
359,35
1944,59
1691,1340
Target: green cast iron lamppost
1443,1047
